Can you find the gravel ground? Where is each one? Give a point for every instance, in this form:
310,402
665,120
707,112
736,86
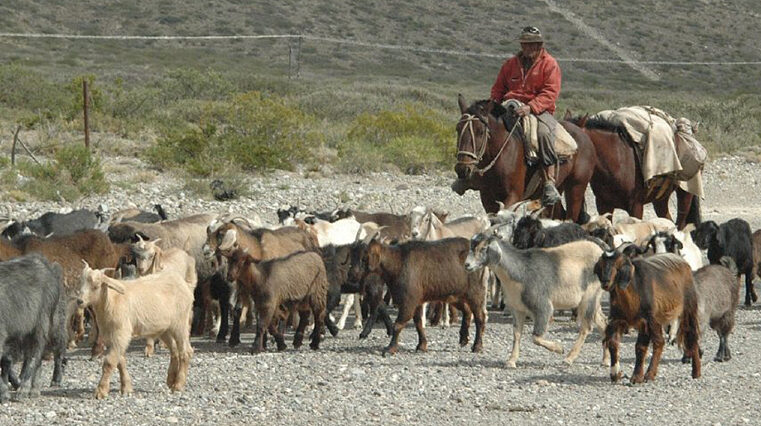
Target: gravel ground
347,381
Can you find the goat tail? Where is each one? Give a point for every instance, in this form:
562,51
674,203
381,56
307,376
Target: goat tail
689,326
729,263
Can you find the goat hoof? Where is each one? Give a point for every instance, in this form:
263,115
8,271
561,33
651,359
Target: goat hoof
748,304
686,359
221,339
616,377
477,348
649,377
422,347
234,343
281,347
99,394
754,297
511,364
636,379
363,335
391,350
314,346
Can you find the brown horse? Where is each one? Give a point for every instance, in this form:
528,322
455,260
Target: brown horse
618,183
490,159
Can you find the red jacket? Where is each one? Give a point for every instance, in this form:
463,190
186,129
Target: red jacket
539,88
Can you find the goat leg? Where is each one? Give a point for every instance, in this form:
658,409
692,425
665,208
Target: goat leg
640,352
657,339
465,325
235,332
612,341
422,345
298,337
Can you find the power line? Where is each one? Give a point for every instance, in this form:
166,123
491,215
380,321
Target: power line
359,43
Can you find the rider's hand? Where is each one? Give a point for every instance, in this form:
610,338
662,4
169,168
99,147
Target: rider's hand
523,111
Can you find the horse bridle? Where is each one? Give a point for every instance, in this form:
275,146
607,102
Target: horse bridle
468,119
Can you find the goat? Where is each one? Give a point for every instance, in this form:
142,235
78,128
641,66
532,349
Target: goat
90,245
157,306
298,280
260,244
31,319
529,232
423,271
287,216
394,227
732,238
137,215
647,294
678,242
190,233
718,293
426,226
537,281
54,223
150,259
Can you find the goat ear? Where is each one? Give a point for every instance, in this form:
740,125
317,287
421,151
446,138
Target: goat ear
115,285
624,274
373,257
678,244
156,241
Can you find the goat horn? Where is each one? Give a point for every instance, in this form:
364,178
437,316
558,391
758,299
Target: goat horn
501,205
535,214
233,220
229,240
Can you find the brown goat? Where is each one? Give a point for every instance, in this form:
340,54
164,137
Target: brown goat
647,294
260,244
69,251
424,271
297,281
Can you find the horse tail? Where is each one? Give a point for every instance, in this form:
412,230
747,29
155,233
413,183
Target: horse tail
693,215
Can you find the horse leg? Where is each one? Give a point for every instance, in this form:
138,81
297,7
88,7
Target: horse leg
683,205
489,200
661,207
574,201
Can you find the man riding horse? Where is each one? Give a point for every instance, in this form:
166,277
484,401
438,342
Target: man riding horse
533,78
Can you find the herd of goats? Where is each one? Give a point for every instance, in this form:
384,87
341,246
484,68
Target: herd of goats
137,274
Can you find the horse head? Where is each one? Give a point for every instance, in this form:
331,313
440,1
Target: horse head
478,123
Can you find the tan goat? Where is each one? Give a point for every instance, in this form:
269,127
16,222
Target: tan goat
151,258
156,306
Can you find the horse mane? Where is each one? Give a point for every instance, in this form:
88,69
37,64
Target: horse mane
597,123
478,108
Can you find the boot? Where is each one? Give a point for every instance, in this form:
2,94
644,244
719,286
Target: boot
550,196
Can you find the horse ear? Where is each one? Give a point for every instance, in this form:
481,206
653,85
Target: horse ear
583,120
489,107
462,103
568,114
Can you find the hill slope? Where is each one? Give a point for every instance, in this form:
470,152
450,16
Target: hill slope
648,30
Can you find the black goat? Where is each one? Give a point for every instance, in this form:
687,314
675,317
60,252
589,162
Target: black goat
54,223
734,239
529,233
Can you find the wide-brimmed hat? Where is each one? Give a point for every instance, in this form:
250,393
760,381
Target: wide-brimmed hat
531,35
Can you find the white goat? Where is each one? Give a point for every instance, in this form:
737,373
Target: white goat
157,306
341,232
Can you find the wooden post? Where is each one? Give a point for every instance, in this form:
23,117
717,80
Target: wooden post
84,104
13,148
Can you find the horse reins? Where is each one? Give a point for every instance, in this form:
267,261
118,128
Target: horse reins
468,119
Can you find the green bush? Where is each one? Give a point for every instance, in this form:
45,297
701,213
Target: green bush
22,88
413,138
252,132
75,172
